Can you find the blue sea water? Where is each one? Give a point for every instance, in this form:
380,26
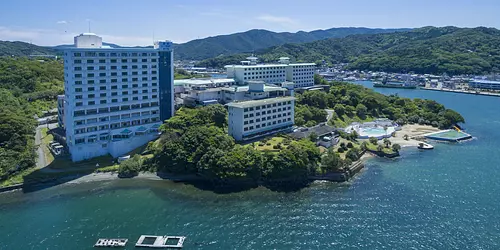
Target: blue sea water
448,198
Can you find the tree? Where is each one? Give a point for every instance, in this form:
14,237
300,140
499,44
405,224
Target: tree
331,161
339,109
373,140
353,154
361,111
349,145
354,135
387,142
313,137
364,145
380,148
396,147
130,167
406,137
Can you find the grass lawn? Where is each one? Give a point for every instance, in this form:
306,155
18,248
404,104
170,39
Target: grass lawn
272,142
17,178
375,148
345,120
65,163
336,147
46,139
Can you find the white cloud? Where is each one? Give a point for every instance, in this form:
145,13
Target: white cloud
285,21
62,22
48,37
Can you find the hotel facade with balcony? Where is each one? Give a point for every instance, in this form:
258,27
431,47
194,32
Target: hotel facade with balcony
115,98
253,119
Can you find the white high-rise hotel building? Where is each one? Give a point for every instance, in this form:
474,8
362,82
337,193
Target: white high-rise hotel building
301,74
115,98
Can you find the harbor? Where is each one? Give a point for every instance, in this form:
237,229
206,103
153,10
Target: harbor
439,191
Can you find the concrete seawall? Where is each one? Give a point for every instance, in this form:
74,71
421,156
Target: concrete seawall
463,92
341,177
10,188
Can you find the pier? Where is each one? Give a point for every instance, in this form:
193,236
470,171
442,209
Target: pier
471,92
153,241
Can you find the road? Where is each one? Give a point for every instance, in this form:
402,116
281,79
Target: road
41,161
330,114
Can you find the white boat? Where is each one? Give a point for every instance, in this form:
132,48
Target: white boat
424,145
111,243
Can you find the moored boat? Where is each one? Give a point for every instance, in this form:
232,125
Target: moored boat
400,85
425,146
111,243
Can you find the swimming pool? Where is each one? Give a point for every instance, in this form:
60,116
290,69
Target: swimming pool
377,132
449,135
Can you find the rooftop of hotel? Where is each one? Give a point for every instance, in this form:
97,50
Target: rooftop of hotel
267,65
246,88
202,81
253,103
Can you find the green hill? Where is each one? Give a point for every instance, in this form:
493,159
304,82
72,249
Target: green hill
425,50
253,40
23,49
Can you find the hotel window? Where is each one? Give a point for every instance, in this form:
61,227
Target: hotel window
90,96
78,68
90,61
78,97
90,89
102,95
90,75
114,100
91,103
124,92
78,82
78,89
102,102
78,75
78,104
77,54
135,92
102,74
144,97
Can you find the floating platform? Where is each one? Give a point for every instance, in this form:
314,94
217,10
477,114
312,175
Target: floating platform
449,135
111,243
153,241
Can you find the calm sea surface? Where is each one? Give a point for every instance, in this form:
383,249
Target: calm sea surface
448,198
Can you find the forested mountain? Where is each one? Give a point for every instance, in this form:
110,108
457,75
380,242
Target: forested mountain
209,47
259,39
26,88
425,50
23,49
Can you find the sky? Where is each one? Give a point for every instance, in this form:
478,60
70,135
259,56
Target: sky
129,23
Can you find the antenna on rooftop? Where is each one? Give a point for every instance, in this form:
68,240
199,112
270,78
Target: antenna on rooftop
88,20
